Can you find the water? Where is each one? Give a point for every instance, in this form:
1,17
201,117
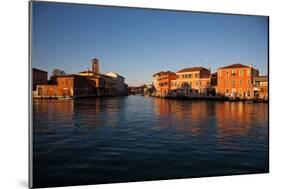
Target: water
101,140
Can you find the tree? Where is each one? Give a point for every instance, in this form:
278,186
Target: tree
58,72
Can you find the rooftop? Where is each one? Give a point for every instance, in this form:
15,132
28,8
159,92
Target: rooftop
87,71
192,69
261,78
35,69
235,66
163,73
114,73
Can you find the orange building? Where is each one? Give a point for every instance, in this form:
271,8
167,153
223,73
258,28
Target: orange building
163,82
236,80
68,86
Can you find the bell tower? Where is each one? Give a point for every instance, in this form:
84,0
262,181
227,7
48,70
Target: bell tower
95,65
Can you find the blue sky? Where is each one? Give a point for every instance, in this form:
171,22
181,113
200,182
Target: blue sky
137,43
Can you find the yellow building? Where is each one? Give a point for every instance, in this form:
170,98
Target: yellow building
194,81
261,87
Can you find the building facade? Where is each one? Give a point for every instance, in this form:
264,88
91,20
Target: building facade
66,86
192,81
118,82
39,77
261,87
236,81
162,82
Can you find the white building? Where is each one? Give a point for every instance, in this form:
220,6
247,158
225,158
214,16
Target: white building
118,82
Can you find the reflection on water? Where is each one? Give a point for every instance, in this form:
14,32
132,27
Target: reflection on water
133,138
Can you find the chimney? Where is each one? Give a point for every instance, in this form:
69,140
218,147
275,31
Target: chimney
95,65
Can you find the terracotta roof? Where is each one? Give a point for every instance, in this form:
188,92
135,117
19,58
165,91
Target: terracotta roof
235,66
163,73
192,69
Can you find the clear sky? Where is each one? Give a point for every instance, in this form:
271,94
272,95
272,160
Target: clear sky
136,43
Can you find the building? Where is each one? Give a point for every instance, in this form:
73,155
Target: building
117,82
162,82
67,86
236,80
214,83
83,84
39,77
261,87
193,81
155,80
108,84
95,65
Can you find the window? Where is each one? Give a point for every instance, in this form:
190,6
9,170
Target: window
227,91
220,73
233,72
241,73
196,74
248,72
249,82
227,73
240,82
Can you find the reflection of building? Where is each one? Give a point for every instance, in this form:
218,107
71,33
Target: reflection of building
86,83
261,87
192,81
191,117
39,77
236,80
236,119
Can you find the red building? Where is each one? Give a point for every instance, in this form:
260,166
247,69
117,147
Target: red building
236,80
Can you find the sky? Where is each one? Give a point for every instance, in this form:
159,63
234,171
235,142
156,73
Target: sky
136,43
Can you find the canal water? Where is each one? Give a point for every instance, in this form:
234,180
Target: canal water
134,138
